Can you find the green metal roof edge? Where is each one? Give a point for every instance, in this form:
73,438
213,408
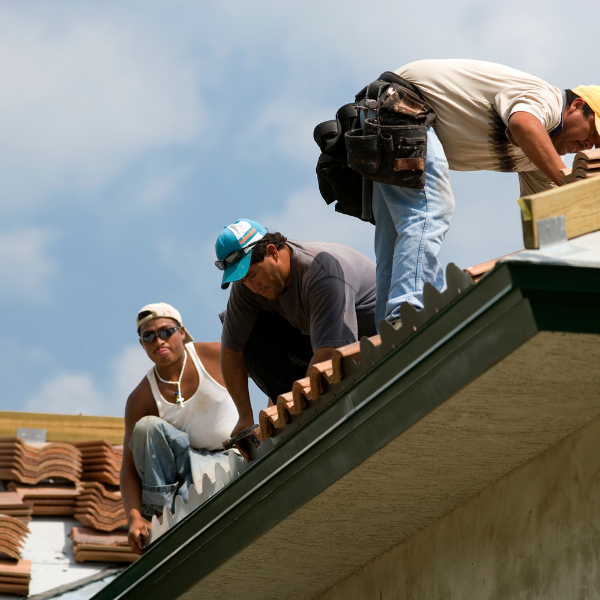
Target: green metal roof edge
485,324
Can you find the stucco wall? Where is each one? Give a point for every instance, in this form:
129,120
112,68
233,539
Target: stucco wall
533,534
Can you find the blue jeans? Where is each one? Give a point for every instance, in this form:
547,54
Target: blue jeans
162,458
409,232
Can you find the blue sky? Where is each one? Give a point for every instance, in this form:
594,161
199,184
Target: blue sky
132,132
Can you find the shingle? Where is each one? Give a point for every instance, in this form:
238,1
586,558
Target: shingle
96,506
12,536
101,461
585,164
12,505
48,499
90,545
15,577
31,463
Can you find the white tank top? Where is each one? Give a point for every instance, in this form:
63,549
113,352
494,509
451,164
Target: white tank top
207,417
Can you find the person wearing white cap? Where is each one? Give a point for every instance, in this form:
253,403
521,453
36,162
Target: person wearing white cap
175,420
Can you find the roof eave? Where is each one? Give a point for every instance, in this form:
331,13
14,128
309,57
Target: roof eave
488,322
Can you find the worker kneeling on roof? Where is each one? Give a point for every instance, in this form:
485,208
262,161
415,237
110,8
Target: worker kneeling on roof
291,304
175,420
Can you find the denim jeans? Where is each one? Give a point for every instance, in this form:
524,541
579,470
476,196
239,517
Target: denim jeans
162,458
409,232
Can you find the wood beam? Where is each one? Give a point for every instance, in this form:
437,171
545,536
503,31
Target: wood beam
579,202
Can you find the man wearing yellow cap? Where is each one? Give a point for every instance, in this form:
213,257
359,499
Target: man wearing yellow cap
487,117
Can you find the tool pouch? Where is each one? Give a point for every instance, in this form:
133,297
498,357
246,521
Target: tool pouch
392,145
337,181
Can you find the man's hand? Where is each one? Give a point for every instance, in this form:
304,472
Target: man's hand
243,447
235,375
243,423
138,536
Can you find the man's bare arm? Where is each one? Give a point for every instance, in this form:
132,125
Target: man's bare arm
235,376
531,136
131,485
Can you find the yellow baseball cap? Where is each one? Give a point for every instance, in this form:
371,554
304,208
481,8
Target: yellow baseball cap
160,310
591,94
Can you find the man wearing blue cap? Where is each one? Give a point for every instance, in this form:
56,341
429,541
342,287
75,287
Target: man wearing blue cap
291,304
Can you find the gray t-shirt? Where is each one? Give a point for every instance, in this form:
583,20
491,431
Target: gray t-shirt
331,298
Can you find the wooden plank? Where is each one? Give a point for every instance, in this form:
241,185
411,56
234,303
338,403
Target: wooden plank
65,428
579,202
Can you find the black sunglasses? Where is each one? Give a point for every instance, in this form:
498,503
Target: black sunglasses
163,334
233,257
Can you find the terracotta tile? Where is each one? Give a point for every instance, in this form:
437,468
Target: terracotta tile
285,407
91,545
11,523
16,590
477,271
267,419
31,463
100,522
321,376
350,351
592,154
21,568
375,340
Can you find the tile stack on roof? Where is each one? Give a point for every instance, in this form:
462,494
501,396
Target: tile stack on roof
31,463
48,499
100,508
101,461
12,505
586,164
15,577
101,546
99,505
12,536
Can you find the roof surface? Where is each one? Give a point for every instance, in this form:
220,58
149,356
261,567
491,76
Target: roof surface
422,421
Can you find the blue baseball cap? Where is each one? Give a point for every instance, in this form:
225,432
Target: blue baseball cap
238,236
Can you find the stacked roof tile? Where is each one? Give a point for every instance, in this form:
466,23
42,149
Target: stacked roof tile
15,577
585,165
31,463
48,499
90,545
100,508
11,504
12,536
101,461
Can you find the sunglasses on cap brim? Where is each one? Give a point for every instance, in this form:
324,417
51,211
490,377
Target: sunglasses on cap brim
233,257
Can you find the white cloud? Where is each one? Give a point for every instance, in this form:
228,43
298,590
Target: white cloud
329,50
79,393
82,97
128,370
26,266
67,393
